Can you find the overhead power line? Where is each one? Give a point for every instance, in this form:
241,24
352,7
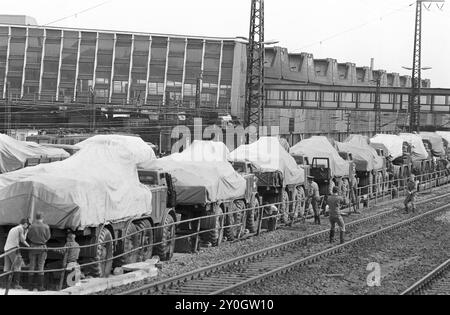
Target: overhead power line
320,42
78,13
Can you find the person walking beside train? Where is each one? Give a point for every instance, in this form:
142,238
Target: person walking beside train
13,259
411,191
38,236
354,194
313,198
334,204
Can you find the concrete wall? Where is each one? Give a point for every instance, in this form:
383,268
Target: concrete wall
334,122
17,20
283,66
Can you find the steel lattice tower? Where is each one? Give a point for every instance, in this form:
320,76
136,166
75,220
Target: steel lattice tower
254,94
414,102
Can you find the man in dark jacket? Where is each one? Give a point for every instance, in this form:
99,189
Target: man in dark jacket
411,192
334,203
39,234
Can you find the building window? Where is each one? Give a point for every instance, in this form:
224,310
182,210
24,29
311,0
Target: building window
156,88
32,74
101,81
104,93
120,87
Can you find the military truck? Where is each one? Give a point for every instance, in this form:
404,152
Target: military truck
104,201
279,180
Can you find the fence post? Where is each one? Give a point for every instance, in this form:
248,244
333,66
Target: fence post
260,219
197,236
63,273
8,282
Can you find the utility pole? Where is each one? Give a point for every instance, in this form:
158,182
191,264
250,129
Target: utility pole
378,107
414,101
254,94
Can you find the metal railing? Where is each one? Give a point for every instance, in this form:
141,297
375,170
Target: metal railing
390,190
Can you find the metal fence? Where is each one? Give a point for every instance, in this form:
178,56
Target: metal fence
390,190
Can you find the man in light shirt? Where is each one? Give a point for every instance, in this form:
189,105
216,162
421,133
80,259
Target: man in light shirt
13,259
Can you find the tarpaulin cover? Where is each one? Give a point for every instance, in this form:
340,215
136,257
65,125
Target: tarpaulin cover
202,182
320,147
437,144
445,135
269,155
99,184
142,150
203,151
14,153
393,143
362,150
418,151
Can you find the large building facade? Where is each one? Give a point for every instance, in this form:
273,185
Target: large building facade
145,74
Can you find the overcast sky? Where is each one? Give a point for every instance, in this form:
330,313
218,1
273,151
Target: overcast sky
346,30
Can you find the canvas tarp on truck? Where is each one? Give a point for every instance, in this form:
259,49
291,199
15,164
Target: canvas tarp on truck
393,143
364,161
269,155
437,143
140,150
203,151
201,183
418,151
445,135
361,147
14,153
99,184
320,147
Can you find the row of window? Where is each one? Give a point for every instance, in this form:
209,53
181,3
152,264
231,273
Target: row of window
157,60
351,100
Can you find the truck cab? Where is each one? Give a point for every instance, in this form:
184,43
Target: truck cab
163,193
321,171
303,162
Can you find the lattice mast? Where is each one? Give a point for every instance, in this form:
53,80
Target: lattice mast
414,102
255,93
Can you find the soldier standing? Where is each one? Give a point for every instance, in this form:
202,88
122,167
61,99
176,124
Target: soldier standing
411,194
313,198
334,203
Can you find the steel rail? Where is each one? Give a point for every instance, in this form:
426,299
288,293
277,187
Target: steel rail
429,280
197,274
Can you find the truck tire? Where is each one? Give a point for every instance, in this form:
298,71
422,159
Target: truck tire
284,208
129,245
235,232
252,219
215,224
104,251
146,240
166,249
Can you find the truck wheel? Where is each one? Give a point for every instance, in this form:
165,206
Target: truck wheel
215,224
166,249
104,254
233,233
146,240
129,245
252,219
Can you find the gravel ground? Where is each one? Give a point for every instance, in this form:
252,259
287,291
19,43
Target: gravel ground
405,256
188,262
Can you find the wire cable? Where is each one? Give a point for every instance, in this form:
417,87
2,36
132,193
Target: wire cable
354,28
78,13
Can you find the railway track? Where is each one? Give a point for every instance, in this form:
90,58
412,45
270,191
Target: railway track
255,267
436,282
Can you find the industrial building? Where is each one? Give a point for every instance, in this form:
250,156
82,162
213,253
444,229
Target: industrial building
65,75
